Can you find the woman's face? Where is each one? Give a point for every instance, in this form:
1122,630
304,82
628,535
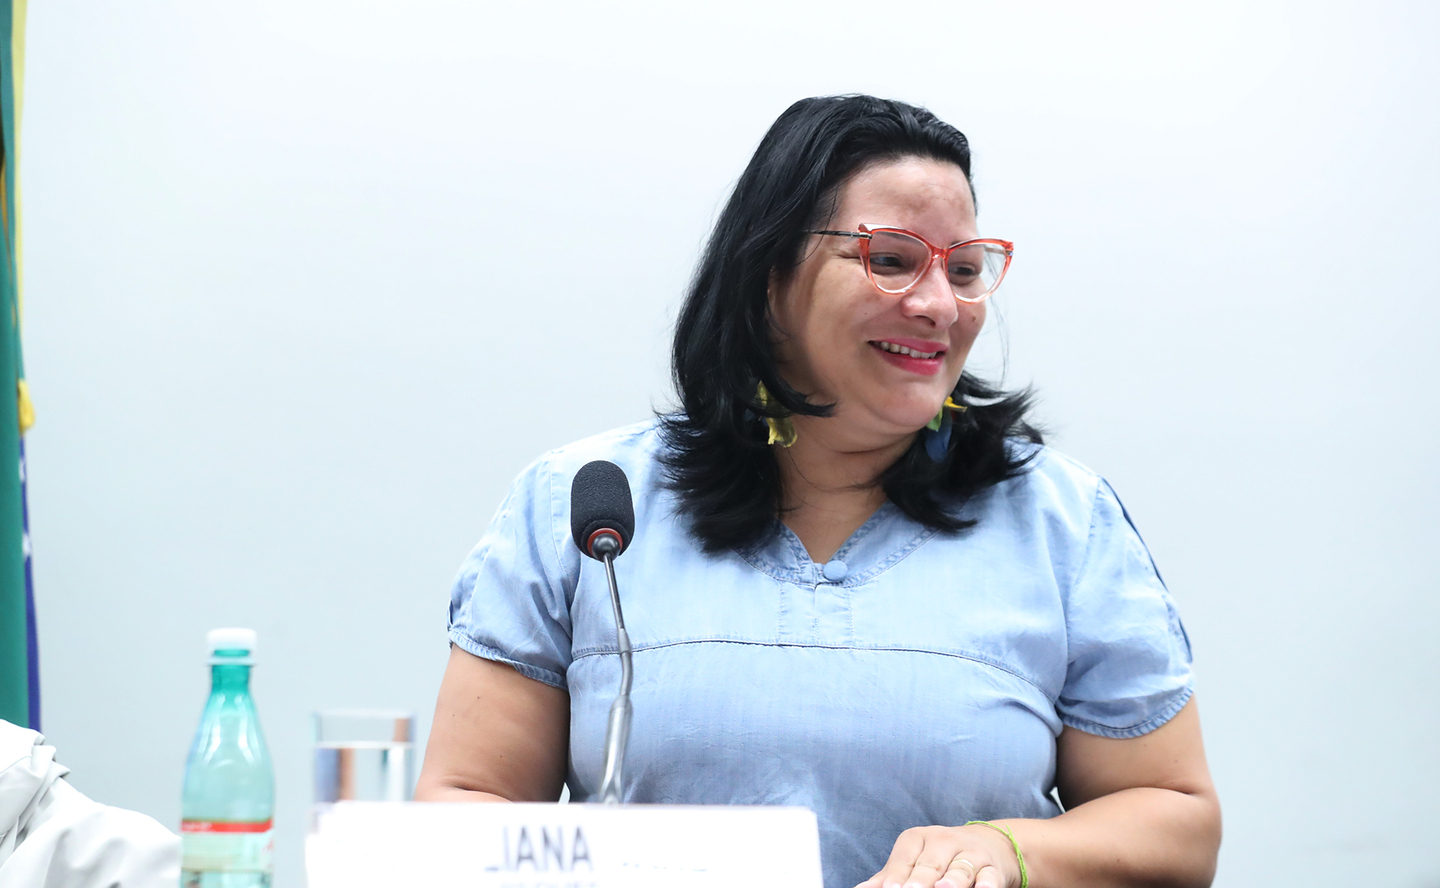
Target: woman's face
833,324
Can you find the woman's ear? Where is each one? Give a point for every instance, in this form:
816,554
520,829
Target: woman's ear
775,289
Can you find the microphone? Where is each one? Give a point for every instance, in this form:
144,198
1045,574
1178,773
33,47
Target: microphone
602,521
600,507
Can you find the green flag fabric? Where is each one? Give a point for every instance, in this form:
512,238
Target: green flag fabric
19,672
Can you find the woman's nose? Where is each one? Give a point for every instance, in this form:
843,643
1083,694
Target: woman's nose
932,298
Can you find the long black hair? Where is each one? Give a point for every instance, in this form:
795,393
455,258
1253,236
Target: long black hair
716,457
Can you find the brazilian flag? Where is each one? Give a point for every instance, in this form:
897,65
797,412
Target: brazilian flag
19,664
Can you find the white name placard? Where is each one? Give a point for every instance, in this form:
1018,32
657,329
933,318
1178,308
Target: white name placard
362,844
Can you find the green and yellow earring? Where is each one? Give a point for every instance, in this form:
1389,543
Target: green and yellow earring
934,424
782,430
937,431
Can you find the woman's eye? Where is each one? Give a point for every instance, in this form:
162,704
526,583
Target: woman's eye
884,263
963,272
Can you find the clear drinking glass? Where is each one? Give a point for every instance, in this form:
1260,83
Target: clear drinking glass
364,754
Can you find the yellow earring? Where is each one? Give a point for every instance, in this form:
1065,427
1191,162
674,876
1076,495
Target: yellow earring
934,424
782,430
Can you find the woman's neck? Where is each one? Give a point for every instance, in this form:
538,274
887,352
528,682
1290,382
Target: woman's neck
831,485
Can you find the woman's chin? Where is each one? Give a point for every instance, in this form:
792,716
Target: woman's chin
914,417
887,420
909,424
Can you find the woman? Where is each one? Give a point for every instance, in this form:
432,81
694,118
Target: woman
859,582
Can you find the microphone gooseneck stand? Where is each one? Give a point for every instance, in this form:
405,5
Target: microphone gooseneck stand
602,520
617,732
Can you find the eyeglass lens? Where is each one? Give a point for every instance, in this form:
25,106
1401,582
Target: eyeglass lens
898,260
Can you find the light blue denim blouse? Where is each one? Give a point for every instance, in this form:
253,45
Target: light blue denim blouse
917,678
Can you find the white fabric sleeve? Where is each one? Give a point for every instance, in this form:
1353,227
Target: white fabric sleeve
55,837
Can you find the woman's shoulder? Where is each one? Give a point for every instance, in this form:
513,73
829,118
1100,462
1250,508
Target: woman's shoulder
1049,480
632,447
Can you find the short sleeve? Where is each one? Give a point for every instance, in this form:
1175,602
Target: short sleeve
509,602
1129,659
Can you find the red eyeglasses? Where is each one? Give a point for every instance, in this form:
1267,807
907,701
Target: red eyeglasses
896,260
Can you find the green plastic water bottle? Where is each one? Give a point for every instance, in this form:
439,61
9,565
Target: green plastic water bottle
228,806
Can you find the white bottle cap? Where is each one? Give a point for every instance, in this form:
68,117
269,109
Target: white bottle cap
231,640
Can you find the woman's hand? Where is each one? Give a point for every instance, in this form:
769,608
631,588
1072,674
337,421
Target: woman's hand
975,856
1139,812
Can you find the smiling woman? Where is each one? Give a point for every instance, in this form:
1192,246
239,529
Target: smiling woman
860,582
814,209
886,360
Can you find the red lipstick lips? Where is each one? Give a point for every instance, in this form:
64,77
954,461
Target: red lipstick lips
914,355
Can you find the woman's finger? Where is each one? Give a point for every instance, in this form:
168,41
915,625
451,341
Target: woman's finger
932,863
989,877
902,859
960,874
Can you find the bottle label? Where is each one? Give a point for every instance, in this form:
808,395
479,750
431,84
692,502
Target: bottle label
227,846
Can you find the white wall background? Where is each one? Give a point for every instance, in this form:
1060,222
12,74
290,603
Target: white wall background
308,281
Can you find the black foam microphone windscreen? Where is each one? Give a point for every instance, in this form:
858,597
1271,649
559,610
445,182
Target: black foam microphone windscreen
600,500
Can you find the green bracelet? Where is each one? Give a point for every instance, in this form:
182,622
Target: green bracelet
1019,858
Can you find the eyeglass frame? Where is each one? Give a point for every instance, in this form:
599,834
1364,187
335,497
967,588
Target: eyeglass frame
867,231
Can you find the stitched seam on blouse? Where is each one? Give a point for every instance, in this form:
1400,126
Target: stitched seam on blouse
550,531
797,577
1080,571
1125,513
1139,728
797,547
850,611
1089,538
507,505
485,651
751,556
861,532
576,656
897,556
